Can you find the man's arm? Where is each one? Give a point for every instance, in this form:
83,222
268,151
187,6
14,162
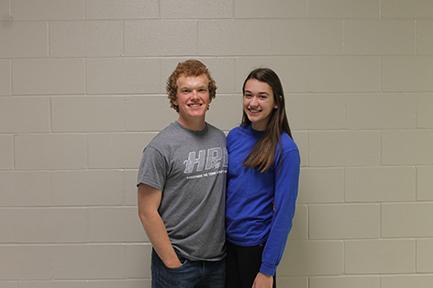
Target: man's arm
149,200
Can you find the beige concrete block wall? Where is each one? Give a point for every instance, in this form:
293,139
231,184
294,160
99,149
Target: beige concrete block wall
82,90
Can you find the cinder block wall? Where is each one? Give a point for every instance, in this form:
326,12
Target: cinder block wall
82,91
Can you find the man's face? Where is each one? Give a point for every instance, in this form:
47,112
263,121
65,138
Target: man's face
192,96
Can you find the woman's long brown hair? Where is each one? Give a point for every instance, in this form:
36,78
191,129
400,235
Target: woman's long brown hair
262,156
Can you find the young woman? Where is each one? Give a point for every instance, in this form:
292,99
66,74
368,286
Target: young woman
262,184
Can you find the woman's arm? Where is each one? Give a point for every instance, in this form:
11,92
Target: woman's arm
286,192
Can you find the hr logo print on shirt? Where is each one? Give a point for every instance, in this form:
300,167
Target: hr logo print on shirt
205,160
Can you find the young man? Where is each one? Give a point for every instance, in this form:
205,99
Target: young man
181,187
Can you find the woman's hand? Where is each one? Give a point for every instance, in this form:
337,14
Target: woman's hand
263,281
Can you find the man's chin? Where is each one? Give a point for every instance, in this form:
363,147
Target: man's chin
194,114
197,112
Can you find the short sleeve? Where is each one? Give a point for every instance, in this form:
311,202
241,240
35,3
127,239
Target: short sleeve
153,169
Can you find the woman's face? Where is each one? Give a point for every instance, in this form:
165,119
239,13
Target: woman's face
258,103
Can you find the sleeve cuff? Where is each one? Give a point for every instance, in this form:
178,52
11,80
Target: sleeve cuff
268,269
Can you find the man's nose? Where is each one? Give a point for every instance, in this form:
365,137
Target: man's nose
194,93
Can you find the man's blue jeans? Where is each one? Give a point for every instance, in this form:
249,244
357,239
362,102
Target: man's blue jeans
192,274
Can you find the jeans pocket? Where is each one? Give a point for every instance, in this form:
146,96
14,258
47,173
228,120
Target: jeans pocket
184,263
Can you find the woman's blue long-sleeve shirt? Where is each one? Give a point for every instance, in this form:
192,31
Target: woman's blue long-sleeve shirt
260,206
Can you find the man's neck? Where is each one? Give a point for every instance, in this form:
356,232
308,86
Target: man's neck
192,124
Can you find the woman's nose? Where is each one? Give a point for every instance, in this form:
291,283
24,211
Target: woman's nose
253,101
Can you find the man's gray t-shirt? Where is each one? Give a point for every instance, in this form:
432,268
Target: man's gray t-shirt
189,167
